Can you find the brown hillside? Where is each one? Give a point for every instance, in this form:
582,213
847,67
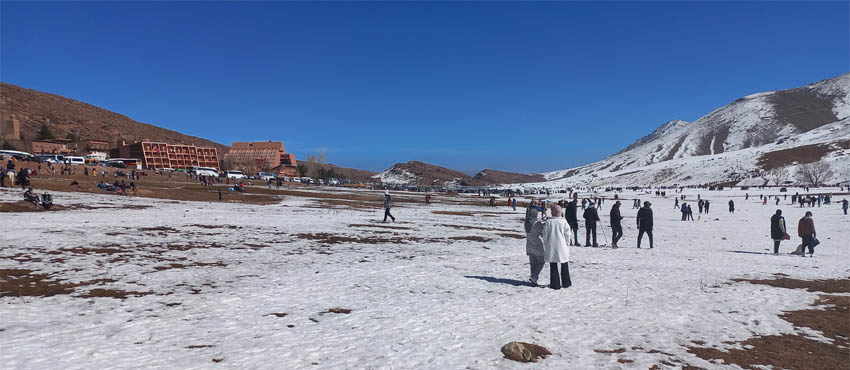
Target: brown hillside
489,176
63,116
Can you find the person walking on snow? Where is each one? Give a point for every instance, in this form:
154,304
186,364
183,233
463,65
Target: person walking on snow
844,204
572,219
684,211
707,205
591,216
700,205
534,244
556,235
806,231
777,230
675,203
616,227
731,206
644,223
690,213
388,203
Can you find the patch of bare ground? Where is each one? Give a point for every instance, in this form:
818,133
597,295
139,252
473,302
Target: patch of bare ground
337,310
329,239
514,236
195,264
199,346
23,206
471,238
106,249
232,227
796,351
159,228
277,314
28,283
618,350
380,226
801,154
825,286
112,293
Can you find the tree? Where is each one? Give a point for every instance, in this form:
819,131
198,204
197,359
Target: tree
72,136
778,175
315,161
814,173
44,133
302,170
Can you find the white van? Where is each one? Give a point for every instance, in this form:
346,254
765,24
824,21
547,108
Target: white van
233,174
74,160
266,176
204,171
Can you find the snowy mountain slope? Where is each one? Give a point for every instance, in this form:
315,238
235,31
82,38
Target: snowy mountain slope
735,135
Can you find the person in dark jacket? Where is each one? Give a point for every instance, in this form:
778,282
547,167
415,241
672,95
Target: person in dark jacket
572,219
731,206
700,204
644,223
684,211
806,231
616,228
591,216
707,205
844,204
777,230
690,213
388,203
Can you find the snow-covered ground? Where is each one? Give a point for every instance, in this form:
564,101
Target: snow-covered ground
418,299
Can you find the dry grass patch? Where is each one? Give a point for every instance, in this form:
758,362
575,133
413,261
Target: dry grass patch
380,226
825,286
27,283
471,238
112,293
338,310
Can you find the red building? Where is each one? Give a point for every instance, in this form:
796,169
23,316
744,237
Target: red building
262,156
162,155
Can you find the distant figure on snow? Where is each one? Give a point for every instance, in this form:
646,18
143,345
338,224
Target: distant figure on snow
616,227
572,219
844,204
556,234
806,231
644,223
707,205
777,230
534,244
591,216
731,206
388,203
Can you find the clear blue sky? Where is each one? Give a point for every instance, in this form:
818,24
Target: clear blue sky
513,86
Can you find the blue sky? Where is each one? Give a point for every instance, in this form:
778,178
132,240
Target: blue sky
512,86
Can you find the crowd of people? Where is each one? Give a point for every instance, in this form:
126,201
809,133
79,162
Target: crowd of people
545,236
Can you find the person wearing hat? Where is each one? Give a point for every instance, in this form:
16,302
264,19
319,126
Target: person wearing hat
616,228
591,216
644,223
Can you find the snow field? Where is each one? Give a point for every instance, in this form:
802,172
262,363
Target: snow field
422,301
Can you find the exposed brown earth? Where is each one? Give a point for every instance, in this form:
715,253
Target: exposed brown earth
801,154
797,351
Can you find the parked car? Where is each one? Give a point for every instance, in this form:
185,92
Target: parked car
233,174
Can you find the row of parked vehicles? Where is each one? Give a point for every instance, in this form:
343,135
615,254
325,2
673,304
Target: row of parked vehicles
62,159
263,176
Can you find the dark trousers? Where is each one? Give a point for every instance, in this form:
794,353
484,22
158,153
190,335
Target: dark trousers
562,280
684,216
808,241
640,236
590,229
776,246
387,213
617,233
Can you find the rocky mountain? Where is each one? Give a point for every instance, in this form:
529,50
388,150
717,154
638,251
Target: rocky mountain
492,177
27,110
736,143
424,174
